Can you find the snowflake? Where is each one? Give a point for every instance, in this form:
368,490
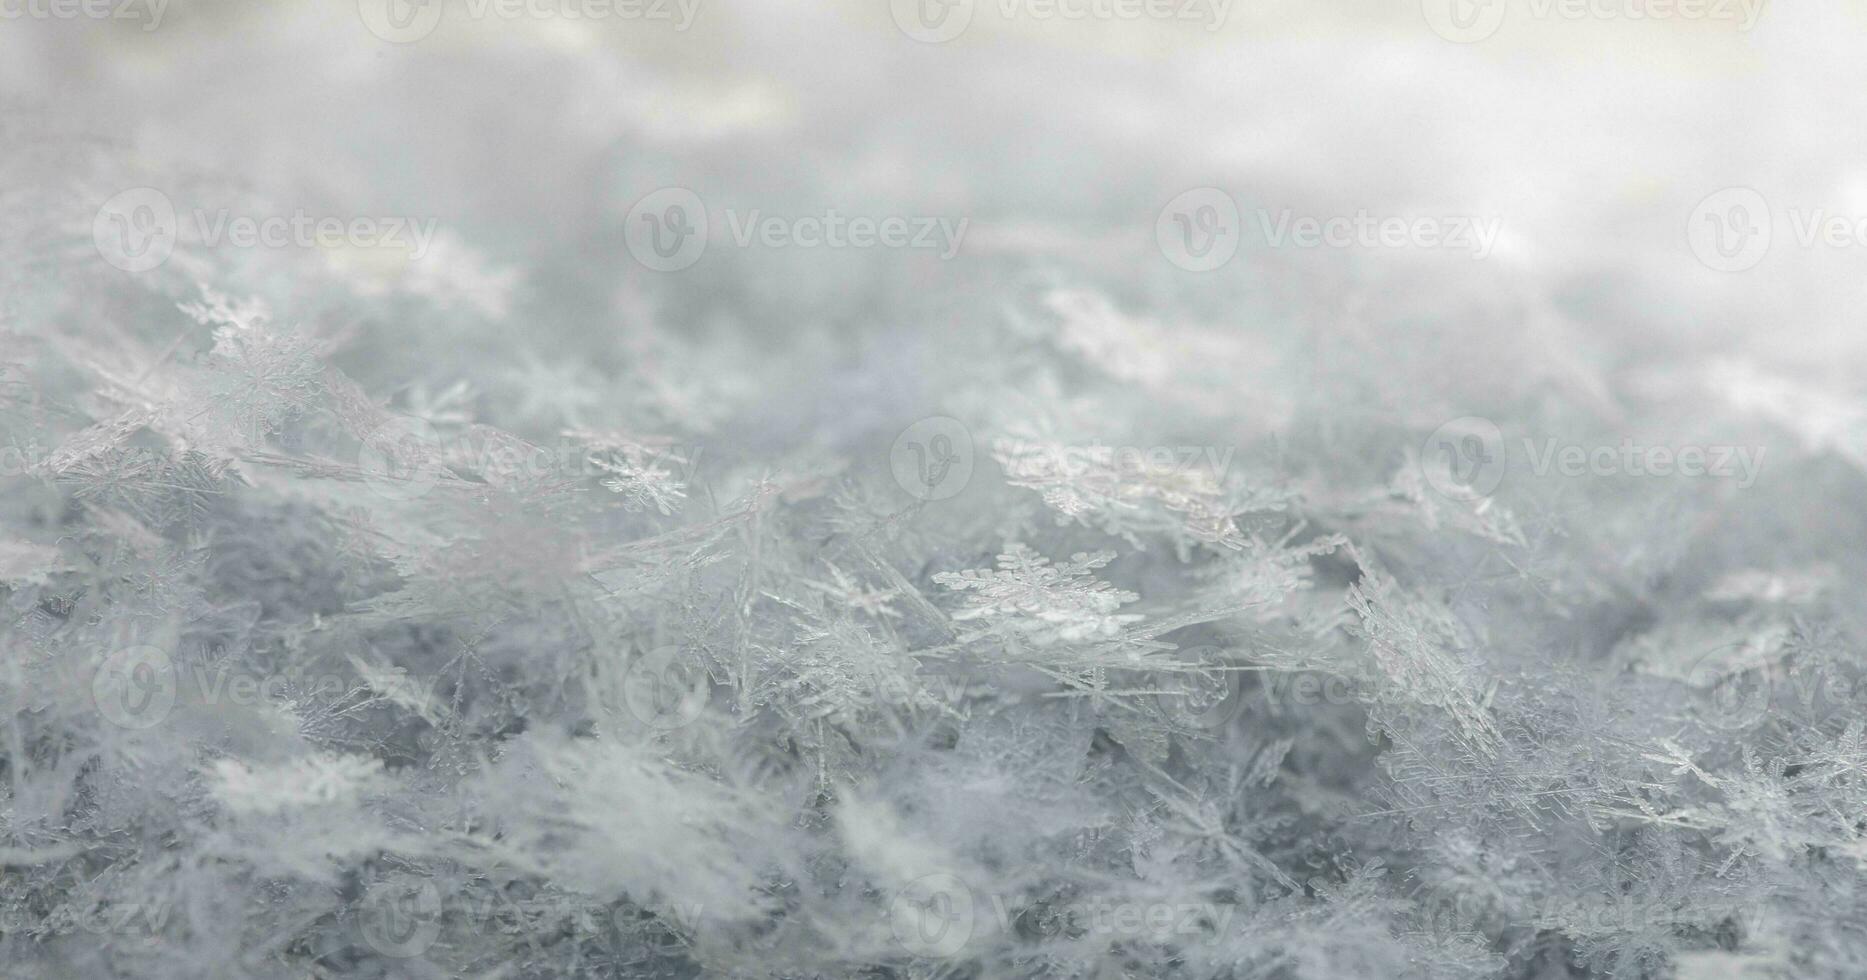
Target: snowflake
265,377
1128,492
1040,602
642,480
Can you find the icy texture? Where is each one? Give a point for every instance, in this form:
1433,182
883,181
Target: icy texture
1048,612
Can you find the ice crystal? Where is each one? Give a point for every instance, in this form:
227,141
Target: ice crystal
1042,603
643,480
520,610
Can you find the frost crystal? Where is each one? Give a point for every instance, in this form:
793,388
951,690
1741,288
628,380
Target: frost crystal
613,535
1042,603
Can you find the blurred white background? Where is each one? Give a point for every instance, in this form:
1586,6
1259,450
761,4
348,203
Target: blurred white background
1591,138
